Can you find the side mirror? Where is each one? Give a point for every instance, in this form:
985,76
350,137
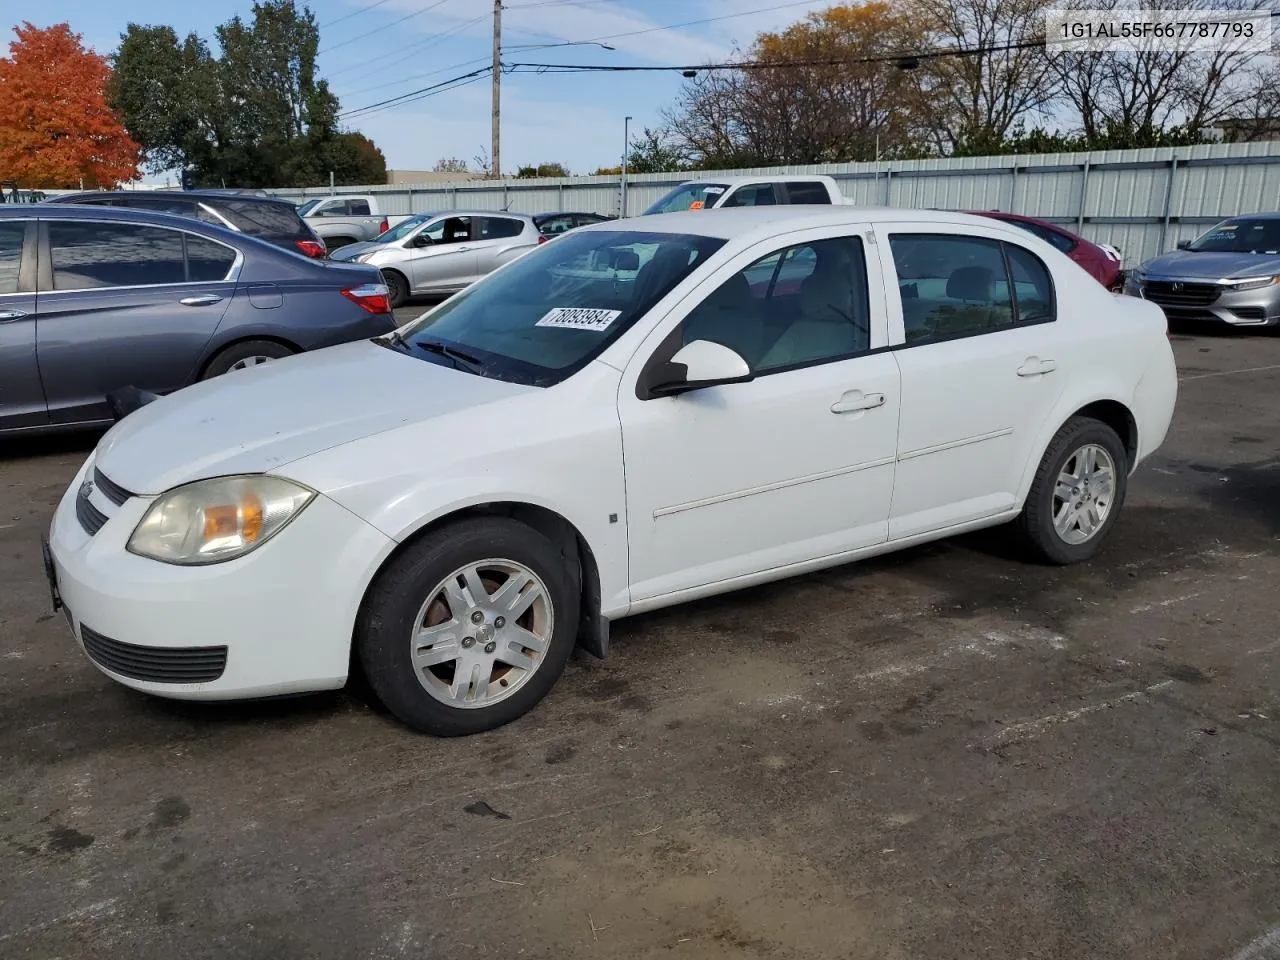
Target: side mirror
422,240
700,364
1184,244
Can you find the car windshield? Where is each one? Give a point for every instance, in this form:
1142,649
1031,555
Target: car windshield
403,228
689,196
1243,235
305,208
553,310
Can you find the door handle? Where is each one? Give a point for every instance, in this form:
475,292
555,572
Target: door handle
462,249
207,300
855,400
8,316
1035,367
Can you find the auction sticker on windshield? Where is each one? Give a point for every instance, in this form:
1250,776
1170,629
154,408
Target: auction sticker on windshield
579,318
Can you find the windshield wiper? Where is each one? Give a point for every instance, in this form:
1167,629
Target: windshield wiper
461,359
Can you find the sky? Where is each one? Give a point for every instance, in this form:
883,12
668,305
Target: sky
372,50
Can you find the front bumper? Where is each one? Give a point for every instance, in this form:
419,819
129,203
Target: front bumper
1207,300
283,614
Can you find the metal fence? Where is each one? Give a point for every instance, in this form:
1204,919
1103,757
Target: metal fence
1141,201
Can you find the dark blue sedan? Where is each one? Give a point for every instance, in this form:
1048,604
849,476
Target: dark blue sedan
95,300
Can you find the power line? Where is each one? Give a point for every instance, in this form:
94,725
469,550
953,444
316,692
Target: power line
692,23
418,76
347,16
386,26
407,97
416,47
450,86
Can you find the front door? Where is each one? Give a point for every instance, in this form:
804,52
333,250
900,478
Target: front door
447,262
794,465
982,370
21,395
123,304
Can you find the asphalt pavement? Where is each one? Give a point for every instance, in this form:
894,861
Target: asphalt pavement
945,753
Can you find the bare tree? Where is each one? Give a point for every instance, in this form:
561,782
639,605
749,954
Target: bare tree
982,96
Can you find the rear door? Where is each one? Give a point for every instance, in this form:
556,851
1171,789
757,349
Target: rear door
124,304
21,395
497,240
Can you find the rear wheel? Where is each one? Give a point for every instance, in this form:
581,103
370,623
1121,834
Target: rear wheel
240,356
397,287
470,627
1077,492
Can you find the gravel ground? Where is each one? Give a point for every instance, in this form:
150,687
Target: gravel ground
945,753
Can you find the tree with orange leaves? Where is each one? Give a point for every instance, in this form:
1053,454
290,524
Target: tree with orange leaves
56,129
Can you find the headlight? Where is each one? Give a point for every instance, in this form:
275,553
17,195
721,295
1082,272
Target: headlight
214,520
1254,283
364,257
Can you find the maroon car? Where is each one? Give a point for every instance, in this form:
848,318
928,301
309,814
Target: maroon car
1101,263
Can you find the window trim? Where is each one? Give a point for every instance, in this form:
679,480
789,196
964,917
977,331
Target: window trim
44,272
891,268
673,341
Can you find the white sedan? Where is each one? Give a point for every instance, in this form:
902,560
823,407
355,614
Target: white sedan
641,413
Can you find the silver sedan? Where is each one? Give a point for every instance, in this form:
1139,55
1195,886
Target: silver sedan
442,253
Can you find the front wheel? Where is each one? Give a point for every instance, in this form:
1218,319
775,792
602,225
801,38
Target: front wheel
1077,492
397,287
470,627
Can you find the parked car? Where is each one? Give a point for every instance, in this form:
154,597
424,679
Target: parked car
270,219
748,192
346,218
430,254
1230,273
1101,261
452,504
553,224
94,299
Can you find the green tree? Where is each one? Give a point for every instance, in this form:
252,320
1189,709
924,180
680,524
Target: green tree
542,170
258,115
656,151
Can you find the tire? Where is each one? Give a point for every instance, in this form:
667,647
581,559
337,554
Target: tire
397,287
408,598
244,353
1067,458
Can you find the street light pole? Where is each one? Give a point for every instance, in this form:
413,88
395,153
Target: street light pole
626,148
495,155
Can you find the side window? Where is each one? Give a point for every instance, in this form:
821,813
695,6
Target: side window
333,208
206,215
11,237
450,230
90,255
358,208
799,306
1032,286
207,261
554,225
170,205
807,192
951,286
756,195
499,228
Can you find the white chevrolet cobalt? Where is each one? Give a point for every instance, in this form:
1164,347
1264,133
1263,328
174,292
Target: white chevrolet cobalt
641,413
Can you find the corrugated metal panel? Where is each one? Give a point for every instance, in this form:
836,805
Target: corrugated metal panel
1121,199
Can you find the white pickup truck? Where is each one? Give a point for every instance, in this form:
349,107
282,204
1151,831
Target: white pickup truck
347,218
749,192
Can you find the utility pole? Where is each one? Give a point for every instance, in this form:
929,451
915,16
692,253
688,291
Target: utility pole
626,148
496,146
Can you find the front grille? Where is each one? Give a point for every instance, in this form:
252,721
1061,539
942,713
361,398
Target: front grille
112,491
90,517
1177,293
154,664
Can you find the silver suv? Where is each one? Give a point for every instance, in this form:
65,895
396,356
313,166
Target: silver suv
441,253
1230,273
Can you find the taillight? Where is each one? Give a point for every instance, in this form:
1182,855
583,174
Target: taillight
311,248
373,297
382,227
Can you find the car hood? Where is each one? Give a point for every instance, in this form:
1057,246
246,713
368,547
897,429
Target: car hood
259,419
1188,265
347,253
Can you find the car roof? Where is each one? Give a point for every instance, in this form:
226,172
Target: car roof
761,178
736,222
73,211
214,195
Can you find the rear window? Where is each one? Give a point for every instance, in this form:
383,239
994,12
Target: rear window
263,218
358,208
802,191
